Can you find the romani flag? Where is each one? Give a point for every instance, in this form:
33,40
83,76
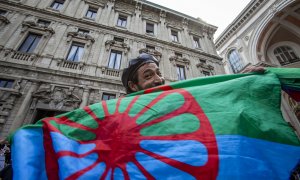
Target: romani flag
221,127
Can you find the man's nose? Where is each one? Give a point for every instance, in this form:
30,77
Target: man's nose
158,79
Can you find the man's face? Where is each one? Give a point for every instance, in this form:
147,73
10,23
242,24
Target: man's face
148,76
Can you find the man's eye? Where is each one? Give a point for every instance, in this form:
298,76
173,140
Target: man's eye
147,76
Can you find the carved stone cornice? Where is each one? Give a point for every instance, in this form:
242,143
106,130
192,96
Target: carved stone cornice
4,19
113,43
180,60
173,26
57,97
153,52
81,36
33,25
205,66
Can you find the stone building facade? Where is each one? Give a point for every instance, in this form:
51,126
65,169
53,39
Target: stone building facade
266,33
58,55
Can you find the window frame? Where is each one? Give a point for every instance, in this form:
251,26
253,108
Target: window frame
180,73
117,52
174,35
33,44
77,44
109,95
153,28
122,19
285,55
93,12
236,64
196,42
206,73
59,6
7,83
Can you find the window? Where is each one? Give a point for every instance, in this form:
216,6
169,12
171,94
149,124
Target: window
235,61
180,72
196,42
43,23
122,21
118,39
30,43
206,73
82,31
106,96
179,55
91,13
2,12
6,83
57,4
115,59
76,52
150,28
203,61
285,55
174,35
150,47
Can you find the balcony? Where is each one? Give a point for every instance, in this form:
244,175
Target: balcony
70,64
110,72
14,56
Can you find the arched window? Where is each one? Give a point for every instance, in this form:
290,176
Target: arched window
235,61
285,55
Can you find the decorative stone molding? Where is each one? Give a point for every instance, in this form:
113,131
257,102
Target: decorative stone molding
86,37
7,102
162,14
70,64
205,66
174,26
40,27
94,3
180,60
110,72
4,19
192,33
151,51
113,43
56,97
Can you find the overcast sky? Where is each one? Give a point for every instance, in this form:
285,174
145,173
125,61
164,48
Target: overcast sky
219,13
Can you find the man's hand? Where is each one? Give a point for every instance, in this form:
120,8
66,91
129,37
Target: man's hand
257,69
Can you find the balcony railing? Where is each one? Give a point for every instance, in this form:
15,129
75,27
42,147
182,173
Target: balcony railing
70,64
23,56
110,72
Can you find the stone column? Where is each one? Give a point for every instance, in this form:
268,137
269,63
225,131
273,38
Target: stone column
85,97
20,116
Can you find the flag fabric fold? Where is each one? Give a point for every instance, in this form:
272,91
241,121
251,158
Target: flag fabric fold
221,127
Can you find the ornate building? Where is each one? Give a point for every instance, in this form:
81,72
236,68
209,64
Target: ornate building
265,33
58,55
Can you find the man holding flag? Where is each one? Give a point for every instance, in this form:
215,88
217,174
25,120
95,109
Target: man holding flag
221,127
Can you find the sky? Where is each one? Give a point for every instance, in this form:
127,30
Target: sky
219,13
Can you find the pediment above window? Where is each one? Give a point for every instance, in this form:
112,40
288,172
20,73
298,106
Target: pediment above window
205,66
152,52
116,44
175,26
81,36
33,25
179,60
95,3
196,34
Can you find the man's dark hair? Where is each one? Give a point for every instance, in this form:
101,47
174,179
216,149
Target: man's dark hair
130,73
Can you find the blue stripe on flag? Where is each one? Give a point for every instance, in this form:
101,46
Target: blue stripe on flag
28,154
248,158
161,170
187,151
62,143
